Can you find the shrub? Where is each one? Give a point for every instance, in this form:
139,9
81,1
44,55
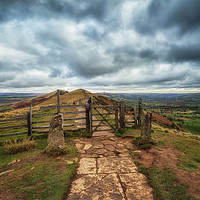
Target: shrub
143,143
16,146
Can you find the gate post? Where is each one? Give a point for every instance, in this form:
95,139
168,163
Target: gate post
135,115
116,116
90,115
58,101
122,115
87,110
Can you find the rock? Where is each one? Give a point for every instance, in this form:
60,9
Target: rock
110,153
87,146
81,151
8,171
79,146
110,147
120,146
124,154
56,139
69,162
137,151
98,146
75,159
108,142
101,151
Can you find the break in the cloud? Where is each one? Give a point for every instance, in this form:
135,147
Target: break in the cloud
129,45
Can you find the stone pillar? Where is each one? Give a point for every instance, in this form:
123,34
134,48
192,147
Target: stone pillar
56,139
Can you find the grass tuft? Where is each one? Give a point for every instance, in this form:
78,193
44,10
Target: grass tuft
16,146
57,152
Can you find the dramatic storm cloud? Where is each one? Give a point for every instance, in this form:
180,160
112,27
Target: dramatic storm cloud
100,45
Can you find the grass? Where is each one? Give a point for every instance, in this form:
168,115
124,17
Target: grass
190,147
42,181
127,132
6,107
144,143
166,185
192,126
36,175
189,120
190,161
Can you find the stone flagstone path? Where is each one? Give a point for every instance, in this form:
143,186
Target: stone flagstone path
106,171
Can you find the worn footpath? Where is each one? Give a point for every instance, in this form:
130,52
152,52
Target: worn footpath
106,171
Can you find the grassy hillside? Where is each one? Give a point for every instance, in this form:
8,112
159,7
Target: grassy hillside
80,96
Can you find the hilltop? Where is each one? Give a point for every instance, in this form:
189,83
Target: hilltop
37,100
80,96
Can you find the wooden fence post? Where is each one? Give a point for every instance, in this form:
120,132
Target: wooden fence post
90,115
116,116
122,115
135,115
58,101
146,126
139,111
149,128
87,110
29,121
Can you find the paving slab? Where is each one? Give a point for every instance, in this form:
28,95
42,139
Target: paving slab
97,187
136,186
115,165
87,166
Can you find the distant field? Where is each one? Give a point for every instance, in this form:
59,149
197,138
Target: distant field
182,109
7,98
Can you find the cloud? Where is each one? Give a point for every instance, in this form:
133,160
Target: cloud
182,15
99,43
184,53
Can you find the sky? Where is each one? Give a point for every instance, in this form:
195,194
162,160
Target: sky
100,45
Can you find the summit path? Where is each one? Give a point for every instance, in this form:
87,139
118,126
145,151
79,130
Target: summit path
106,171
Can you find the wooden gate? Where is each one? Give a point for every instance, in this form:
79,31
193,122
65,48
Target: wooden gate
104,118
